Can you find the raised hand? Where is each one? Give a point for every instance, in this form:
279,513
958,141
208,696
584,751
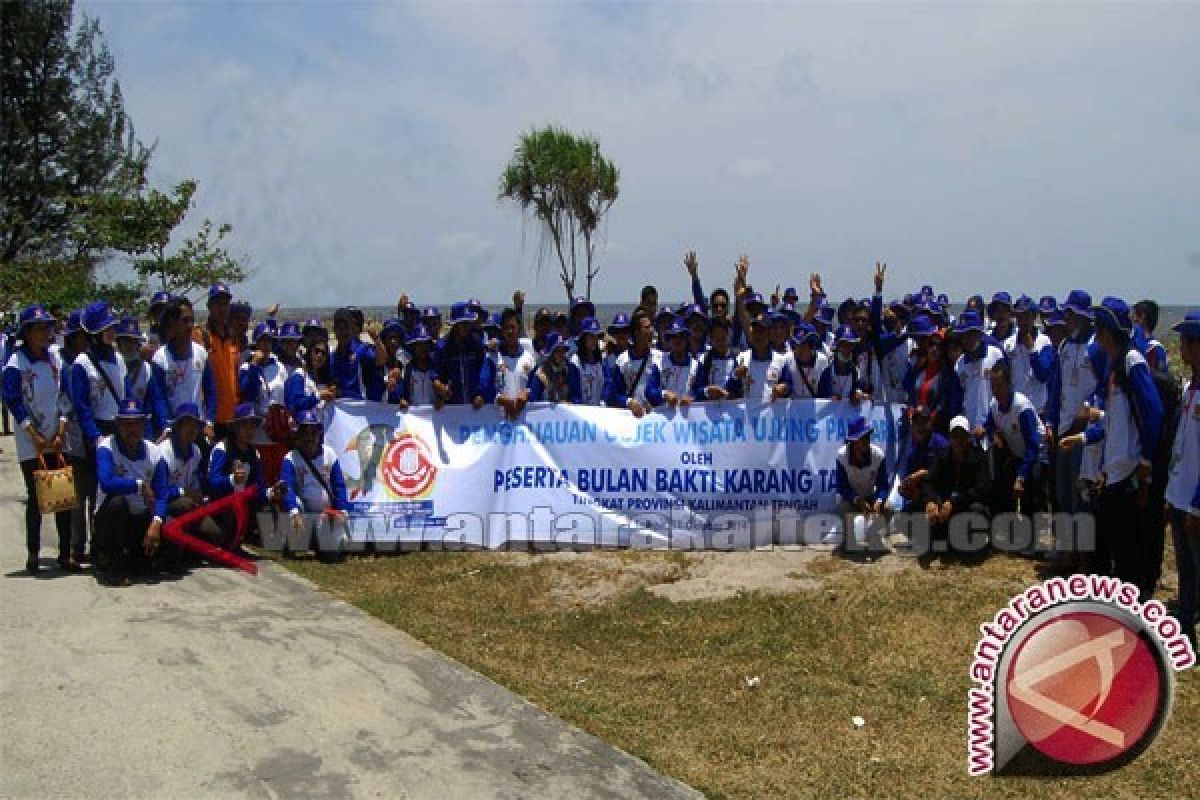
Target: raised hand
880,272
689,261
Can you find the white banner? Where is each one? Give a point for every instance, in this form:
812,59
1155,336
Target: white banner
714,475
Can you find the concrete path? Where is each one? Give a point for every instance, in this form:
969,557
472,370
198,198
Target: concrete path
225,685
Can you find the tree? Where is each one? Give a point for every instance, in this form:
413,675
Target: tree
567,185
141,226
73,193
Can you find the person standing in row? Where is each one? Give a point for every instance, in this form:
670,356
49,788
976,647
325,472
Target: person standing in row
223,350
1183,483
31,390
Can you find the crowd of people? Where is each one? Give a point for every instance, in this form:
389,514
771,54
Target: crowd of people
1010,405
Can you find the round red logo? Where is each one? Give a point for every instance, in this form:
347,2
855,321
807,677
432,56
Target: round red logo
1084,688
407,469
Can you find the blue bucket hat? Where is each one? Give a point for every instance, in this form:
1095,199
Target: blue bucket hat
754,299
920,325
97,317
262,330
474,305
493,322
431,312
926,291
74,323
857,429
1189,326
677,328
1079,302
187,411
790,292
693,310
554,342
943,299
244,412
419,334
393,325
219,290
288,331
1056,319
313,325
32,315
1047,305
805,333
620,322
1113,313
968,321
999,299
130,408
308,419
589,325
128,328
461,312
160,299
846,334
1025,304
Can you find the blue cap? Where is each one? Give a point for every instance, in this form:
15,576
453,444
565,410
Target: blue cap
492,323
805,333
243,412
589,325
97,317
288,330
1000,299
130,408
1113,313
1079,302
1024,304
620,322
857,429
474,304
431,312
461,312
554,342
187,411
677,328
31,315
926,291
921,325
846,334
241,307
583,302
1056,319
261,330
789,311
943,298
754,299
219,290
693,310
791,292
308,419
1047,304
161,299
74,323
1189,326
968,321
393,325
313,325
419,334
128,328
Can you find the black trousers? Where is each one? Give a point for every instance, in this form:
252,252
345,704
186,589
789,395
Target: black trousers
119,534
1004,475
1120,536
85,491
33,516
1154,536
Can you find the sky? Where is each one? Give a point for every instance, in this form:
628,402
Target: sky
356,148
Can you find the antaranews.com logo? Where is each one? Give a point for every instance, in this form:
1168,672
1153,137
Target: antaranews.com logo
1073,676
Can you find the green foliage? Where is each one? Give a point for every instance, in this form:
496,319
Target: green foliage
567,185
73,194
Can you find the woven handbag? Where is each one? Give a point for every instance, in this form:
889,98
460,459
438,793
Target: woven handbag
55,488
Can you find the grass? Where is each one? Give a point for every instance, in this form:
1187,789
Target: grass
666,681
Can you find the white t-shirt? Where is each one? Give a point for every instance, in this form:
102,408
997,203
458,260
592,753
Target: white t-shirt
40,392
512,372
975,377
183,377
308,489
758,385
591,381
1185,456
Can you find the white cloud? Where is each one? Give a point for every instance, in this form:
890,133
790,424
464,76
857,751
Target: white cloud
746,167
360,146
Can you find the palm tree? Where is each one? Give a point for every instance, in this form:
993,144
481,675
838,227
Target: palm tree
568,186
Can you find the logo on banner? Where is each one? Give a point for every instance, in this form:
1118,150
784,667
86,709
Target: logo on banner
1075,677
407,467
